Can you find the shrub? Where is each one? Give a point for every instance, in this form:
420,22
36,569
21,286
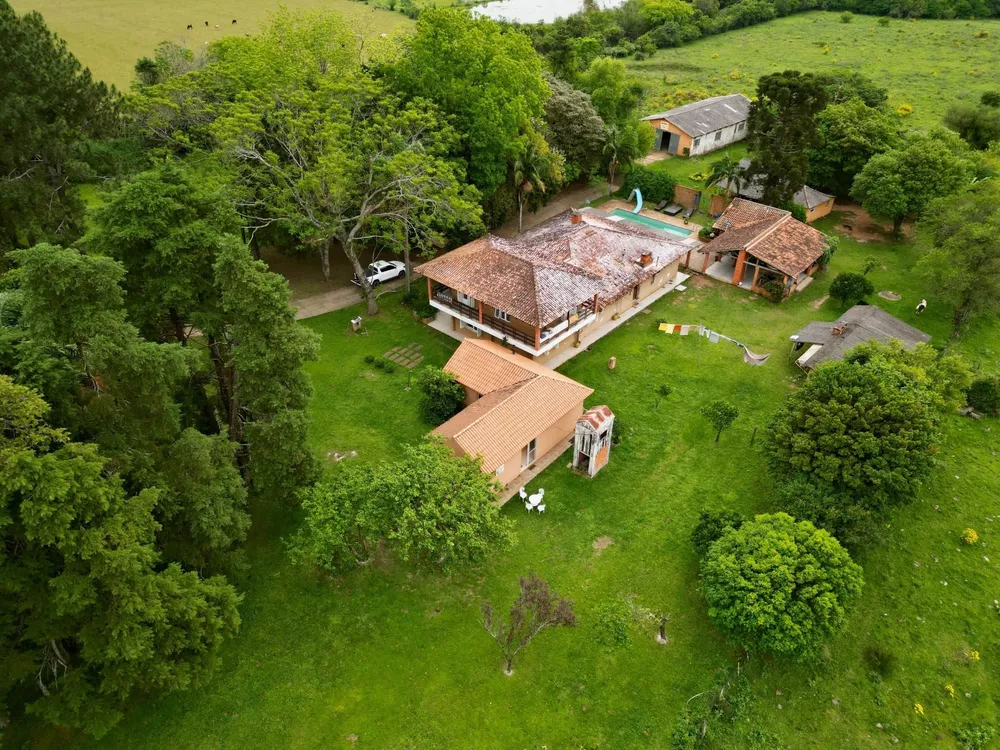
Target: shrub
976,737
441,395
613,623
969,536
721,414
380,362
904,110
390,367
884,21
846,17
849,288
774,288
880,661
655,184
779,585
369,359
712,524
706,233
984,394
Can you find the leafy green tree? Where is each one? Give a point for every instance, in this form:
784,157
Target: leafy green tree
616,95
721,414
655,184
428,505
727,170
574,128
441,396
203,510
844,86
977,125
849,288
850,134
89,615
984,394
781,127
166,227
483,76
779,585
258,357
904,180
532,168
536,608
962,259
712,524
864,427
347,163
49,108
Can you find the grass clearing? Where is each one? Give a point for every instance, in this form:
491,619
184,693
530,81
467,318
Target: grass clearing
927,64
108,36
396,658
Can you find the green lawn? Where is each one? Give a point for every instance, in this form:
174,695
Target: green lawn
110,35
397,657
926,63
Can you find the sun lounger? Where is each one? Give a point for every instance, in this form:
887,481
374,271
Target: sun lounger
688,214
673,210
660,205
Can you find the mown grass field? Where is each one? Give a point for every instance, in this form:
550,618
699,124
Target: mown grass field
394,657
927,64
108,36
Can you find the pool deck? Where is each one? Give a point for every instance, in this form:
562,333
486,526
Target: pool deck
677,221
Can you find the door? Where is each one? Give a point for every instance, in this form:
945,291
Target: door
528,454
672,143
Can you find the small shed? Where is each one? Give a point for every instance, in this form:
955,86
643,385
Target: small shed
592,440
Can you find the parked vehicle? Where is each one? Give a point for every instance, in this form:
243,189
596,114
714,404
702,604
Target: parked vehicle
382,270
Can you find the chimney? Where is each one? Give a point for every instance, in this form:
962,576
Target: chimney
646,259
838,330
575,217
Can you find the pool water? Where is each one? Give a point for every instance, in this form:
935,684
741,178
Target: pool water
621,213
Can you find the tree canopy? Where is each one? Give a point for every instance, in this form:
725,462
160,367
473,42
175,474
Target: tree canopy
850,133
775,584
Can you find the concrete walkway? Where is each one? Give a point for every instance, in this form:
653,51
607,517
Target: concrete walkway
526,477
338,299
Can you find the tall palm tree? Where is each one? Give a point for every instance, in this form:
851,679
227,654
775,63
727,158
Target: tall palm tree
727,170
529,167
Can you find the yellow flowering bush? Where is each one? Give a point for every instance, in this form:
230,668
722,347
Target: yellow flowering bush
918,708
950,689
971,655
904,110
969,536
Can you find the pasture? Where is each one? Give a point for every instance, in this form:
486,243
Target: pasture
394,657
108,36
927,64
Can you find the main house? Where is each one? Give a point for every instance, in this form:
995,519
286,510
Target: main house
559,285
759,245
702,126
816,204
519,414
860,324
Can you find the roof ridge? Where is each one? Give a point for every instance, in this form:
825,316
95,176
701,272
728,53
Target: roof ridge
768,231
511,389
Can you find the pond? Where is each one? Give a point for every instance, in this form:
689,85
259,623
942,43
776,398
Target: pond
536,11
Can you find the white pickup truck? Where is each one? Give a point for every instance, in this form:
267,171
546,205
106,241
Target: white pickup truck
382,270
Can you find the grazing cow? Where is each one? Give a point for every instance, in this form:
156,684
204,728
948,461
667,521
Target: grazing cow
921,306
216,25
190,27
234,22
206,24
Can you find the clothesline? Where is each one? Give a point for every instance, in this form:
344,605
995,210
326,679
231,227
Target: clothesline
749,357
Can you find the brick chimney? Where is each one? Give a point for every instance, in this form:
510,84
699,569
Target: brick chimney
575,217
838,330
646,259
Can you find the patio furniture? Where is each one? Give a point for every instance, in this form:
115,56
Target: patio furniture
689,213
660,205
673,209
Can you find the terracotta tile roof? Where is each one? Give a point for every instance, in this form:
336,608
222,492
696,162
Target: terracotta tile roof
527,399
596,416
555,266
770,234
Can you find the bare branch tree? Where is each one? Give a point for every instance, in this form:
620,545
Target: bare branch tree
537,607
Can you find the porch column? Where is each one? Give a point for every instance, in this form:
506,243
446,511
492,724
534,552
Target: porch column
741,260
538,338
479,304
687,259
756,273
704,266
430,296
595,304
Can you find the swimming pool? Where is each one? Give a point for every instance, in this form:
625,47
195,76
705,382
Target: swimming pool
621,213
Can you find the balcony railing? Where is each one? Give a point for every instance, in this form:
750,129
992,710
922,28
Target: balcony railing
442,296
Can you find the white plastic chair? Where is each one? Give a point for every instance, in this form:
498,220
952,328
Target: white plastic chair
541,508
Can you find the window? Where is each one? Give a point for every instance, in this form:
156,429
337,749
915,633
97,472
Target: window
501,315
499,471
465,299
697,142
718,135
739,128
528,454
